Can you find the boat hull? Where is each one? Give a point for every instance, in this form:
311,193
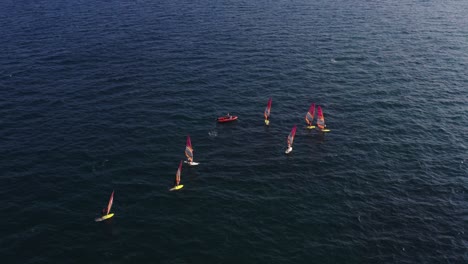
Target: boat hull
104,217
176,188
226,119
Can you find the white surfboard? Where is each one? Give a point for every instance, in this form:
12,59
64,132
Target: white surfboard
288,150
191,163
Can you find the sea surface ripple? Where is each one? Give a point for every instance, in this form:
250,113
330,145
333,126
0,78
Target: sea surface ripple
100,95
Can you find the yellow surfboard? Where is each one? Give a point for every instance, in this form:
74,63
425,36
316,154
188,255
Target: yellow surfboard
176,188
310,127
325,130
267,122
102,218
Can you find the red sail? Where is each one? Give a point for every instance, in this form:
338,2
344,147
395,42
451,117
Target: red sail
291,136
310,115
189,150
111,201
320,118
179,170
266,114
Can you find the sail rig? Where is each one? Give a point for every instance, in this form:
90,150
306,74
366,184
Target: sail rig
266,114
179,171
106,214
189,153
320,119
291,140
111,201
291,136
189,150
177,185
309,118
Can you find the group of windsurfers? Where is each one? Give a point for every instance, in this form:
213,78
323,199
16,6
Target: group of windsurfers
308,118
189,150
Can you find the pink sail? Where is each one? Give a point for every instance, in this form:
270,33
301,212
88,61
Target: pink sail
179,170
266,114
111,201
291,136
310,115
189,150
320,118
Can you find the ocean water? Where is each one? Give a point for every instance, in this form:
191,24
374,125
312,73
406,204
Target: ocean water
98,96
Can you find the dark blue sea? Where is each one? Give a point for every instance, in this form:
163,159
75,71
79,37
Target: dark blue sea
100,95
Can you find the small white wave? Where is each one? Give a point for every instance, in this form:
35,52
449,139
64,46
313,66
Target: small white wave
213,133
333,61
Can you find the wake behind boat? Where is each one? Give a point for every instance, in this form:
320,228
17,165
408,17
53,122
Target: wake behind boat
106,211
189,153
